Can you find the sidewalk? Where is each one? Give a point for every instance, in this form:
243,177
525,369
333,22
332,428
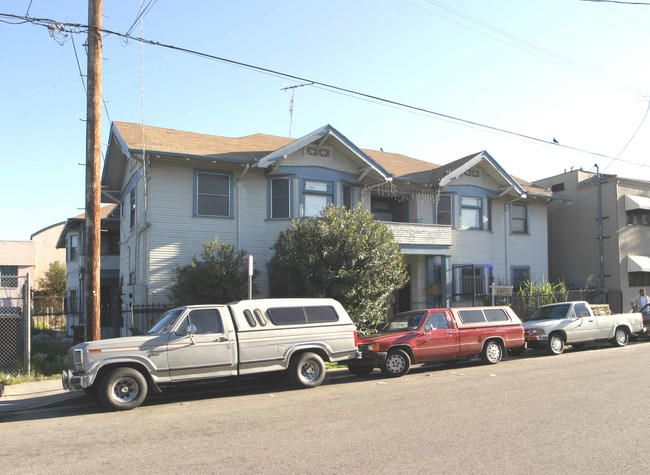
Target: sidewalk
25,396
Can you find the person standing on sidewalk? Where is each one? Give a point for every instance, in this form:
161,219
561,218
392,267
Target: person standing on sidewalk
640,301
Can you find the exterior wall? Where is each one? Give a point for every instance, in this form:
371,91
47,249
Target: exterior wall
22,255
46,252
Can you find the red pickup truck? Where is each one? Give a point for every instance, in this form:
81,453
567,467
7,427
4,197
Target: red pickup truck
421,336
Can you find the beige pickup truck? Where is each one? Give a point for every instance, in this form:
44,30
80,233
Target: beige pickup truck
575,323
205,342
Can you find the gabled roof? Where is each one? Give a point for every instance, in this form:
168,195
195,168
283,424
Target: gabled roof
107,212
267,151
327,132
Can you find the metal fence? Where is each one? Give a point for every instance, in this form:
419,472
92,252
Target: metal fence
12,325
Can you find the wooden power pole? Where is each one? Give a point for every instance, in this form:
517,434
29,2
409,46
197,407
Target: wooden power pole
93,162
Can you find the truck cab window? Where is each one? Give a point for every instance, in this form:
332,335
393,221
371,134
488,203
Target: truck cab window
436,321
206,321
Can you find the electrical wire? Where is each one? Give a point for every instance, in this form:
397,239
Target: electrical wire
78,28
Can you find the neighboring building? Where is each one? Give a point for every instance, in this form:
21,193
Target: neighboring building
72,240
46,251
578,245
17,259
460,226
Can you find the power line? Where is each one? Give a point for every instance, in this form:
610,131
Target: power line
79,28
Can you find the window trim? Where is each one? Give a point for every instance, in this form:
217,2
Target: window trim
195,197
328,193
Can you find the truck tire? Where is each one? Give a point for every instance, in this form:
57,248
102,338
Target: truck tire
123,389
307,371
492,352
555,344
621,337
397,364
361,370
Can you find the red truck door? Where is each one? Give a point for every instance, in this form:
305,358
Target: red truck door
439,339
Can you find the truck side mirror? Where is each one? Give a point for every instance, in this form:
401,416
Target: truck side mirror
190,329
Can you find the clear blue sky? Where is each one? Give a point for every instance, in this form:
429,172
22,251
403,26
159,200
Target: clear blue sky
566,69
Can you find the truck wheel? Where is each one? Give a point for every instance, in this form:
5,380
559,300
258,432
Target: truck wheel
361,370
307,371
397,364
123,389
555,344
492,352
621,337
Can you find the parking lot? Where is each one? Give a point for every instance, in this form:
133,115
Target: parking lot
583,411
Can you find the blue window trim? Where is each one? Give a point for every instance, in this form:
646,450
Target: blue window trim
269,197
512,231
195,194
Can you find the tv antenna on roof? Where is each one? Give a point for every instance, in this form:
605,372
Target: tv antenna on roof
293,91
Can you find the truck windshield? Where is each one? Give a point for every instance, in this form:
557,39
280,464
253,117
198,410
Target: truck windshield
408,321
166,323
552,312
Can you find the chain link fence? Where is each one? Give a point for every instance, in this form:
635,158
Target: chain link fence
12,324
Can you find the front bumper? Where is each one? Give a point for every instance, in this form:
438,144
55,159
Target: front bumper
73,382
368,358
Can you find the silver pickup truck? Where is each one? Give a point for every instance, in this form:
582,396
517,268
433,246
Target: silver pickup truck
204,342
574,323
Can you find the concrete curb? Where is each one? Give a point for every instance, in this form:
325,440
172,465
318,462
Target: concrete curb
32,395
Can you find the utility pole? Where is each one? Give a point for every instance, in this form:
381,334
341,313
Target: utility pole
600,231
93,162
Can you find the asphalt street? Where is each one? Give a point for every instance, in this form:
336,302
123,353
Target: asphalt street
581,412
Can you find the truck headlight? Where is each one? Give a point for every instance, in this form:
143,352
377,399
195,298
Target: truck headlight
372,347
78,357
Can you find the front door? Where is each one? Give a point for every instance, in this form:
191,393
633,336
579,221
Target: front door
208,353
440,340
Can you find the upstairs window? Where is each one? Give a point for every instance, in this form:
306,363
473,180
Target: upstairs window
519,218
132,209
638,217
317,195
212,194
280,203
443,210
9,276
73,247
471,212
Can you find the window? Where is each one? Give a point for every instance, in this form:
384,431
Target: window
212,194
9,276
443,210
205,321
297,315
132,209
638,217
436,321
249,318
519,276
280,198
110,244
557,187
638,278
73,247
347,196
72,301
496,315
317,195
471,212
519,218
471,316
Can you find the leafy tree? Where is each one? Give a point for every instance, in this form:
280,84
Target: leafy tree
52,285
219,275
342,254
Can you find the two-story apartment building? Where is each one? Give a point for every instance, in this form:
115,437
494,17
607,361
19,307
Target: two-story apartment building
72,239
600,233
461,225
